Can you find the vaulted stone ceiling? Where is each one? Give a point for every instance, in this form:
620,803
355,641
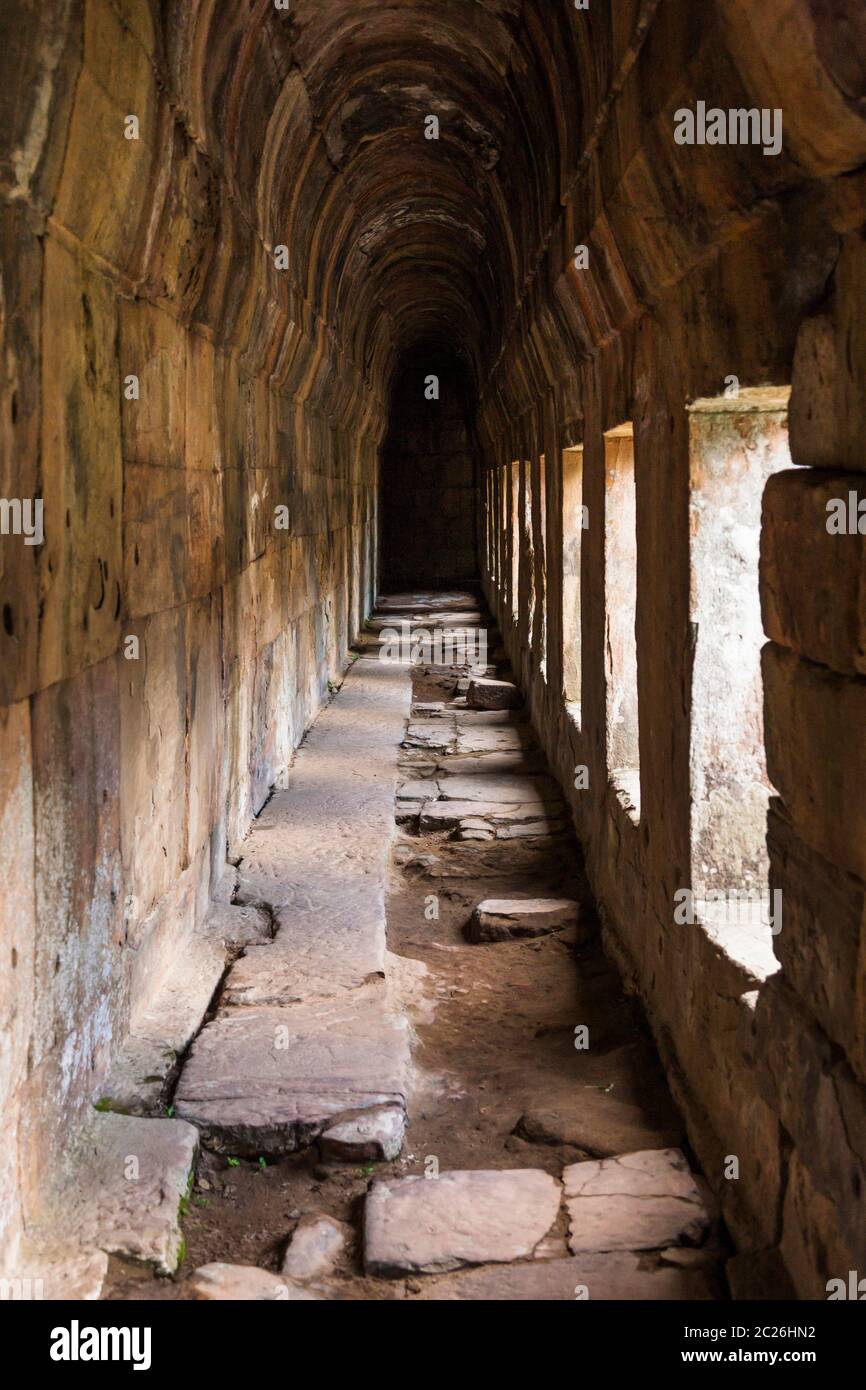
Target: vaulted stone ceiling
321,117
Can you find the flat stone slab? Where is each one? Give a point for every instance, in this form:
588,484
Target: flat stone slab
160,1035
509,919
245,1283
318,854
418,789
531,829
496,788
598,1124
132,1176
596,1278
374,1137
270,1080
235,925
431,1225
483,764
427,601
498,738
493,694
636,1201
445,815
314,1249
466,718
437,734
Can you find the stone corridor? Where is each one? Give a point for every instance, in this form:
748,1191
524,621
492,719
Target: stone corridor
390,1090
433,650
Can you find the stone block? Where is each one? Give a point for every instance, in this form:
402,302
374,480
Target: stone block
153,734
417,1224
80,562
270,1080
637,1201
813,584
822,944
117,79
818,1101
511,919
815,727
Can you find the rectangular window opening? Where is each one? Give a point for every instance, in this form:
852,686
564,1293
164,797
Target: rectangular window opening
574,523
514,493
528,550
620,618
735,446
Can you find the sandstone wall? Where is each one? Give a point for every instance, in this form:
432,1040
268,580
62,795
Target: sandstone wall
131,768
708,262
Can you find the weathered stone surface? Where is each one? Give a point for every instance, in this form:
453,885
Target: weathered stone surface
597,1123
534,828
819,1101
597,1278
820,942
508,919
245,1283
496,788
433,1225
418,789
373,1137
430,733
314,1249
270,1080
818,773
131,1176
57,1274
162,1031
493,694
498,738
637,1201
813,582
434,601
317,853
445,815
522,764
237,926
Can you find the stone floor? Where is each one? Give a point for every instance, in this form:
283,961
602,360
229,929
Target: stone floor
423,1081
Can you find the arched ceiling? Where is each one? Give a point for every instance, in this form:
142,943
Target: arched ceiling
318,113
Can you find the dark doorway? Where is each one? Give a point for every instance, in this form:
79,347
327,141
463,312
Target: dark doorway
429,474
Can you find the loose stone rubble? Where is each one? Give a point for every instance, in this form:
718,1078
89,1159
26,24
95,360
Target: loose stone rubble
504,919
314,1249
492,694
